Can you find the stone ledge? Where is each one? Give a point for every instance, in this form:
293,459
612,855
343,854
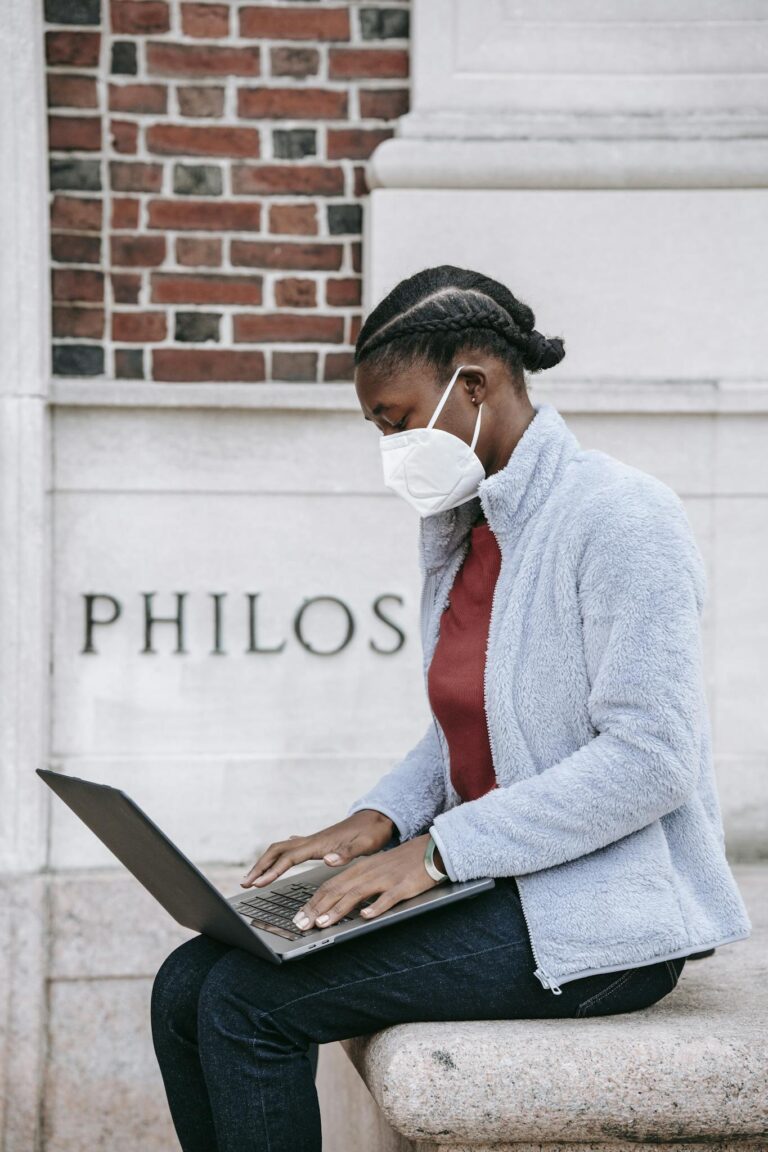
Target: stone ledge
690,1071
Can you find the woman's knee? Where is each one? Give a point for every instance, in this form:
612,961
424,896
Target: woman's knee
177,982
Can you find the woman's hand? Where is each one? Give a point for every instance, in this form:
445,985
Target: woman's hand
360,834
392,876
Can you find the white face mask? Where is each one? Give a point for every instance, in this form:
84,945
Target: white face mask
430,468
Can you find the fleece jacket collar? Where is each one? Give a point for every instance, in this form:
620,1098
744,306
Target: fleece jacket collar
508,497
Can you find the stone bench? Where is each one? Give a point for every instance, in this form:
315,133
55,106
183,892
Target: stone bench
688,1074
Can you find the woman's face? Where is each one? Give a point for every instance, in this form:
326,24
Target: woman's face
409,399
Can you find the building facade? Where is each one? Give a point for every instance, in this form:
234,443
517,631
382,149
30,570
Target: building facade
207,597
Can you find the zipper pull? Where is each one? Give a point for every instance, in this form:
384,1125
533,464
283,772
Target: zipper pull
548,981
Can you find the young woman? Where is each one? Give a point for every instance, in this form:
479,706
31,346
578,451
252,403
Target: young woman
568,752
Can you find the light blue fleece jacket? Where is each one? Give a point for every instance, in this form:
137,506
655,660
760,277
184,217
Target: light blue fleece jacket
607,810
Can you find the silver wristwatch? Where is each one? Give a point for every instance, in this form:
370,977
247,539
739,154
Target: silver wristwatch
429,862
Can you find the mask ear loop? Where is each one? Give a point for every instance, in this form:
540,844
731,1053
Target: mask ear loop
444,397
477,428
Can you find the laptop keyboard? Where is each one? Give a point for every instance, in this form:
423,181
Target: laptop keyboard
274,911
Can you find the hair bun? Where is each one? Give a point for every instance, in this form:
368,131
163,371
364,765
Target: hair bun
543,351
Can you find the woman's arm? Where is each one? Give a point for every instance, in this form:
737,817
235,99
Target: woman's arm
413,791
641,587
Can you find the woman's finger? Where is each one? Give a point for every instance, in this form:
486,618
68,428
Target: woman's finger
340,895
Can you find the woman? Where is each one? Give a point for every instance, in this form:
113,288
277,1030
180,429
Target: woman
568,754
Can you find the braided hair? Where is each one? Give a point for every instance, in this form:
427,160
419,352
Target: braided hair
439,311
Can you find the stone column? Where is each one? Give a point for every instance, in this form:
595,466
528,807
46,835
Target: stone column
24,572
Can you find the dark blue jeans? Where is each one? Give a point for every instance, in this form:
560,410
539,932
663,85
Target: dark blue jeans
236,1036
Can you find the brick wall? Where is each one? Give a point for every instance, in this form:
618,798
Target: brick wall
207,183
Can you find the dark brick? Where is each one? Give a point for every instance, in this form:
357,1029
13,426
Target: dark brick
75,175
71,91
85,323
139,17
345,218
384,103
295,293
138,97
203,364
294,366
77,213
294,179
73,11
78,360
194,251
339,366
384,24
137,251
294,143
72,49
202,101
127,177
83,285
197,327
197,180
126,287
124,58
72,248
296,62
129,363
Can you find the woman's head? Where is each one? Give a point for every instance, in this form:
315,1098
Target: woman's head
429,324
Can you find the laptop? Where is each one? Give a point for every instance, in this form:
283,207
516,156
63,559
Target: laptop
257,920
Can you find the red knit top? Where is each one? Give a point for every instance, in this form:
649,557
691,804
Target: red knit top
455,678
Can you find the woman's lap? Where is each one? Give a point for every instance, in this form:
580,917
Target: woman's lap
468,960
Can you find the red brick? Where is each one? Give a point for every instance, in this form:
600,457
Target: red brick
294,179
383,103
360,182
76,284
202,101
291,104
168,288
355,143
72,49
276,254
205,20
83,322
356,252
125,213
295,293
298,219
66,91
296,62
343,293
139,17
126,287
201,364
256,328
198,253
349,63
202,60
73,248
127,177
180,140
124,135
263,23
77,213
74,133
138,327
205,215
295,366
339,366
138,98
355,324
137,251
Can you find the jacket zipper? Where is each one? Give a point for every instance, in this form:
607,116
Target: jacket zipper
546,980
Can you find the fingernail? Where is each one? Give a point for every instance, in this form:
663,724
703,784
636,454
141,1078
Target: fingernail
366,912
322,919
300,920
334,856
